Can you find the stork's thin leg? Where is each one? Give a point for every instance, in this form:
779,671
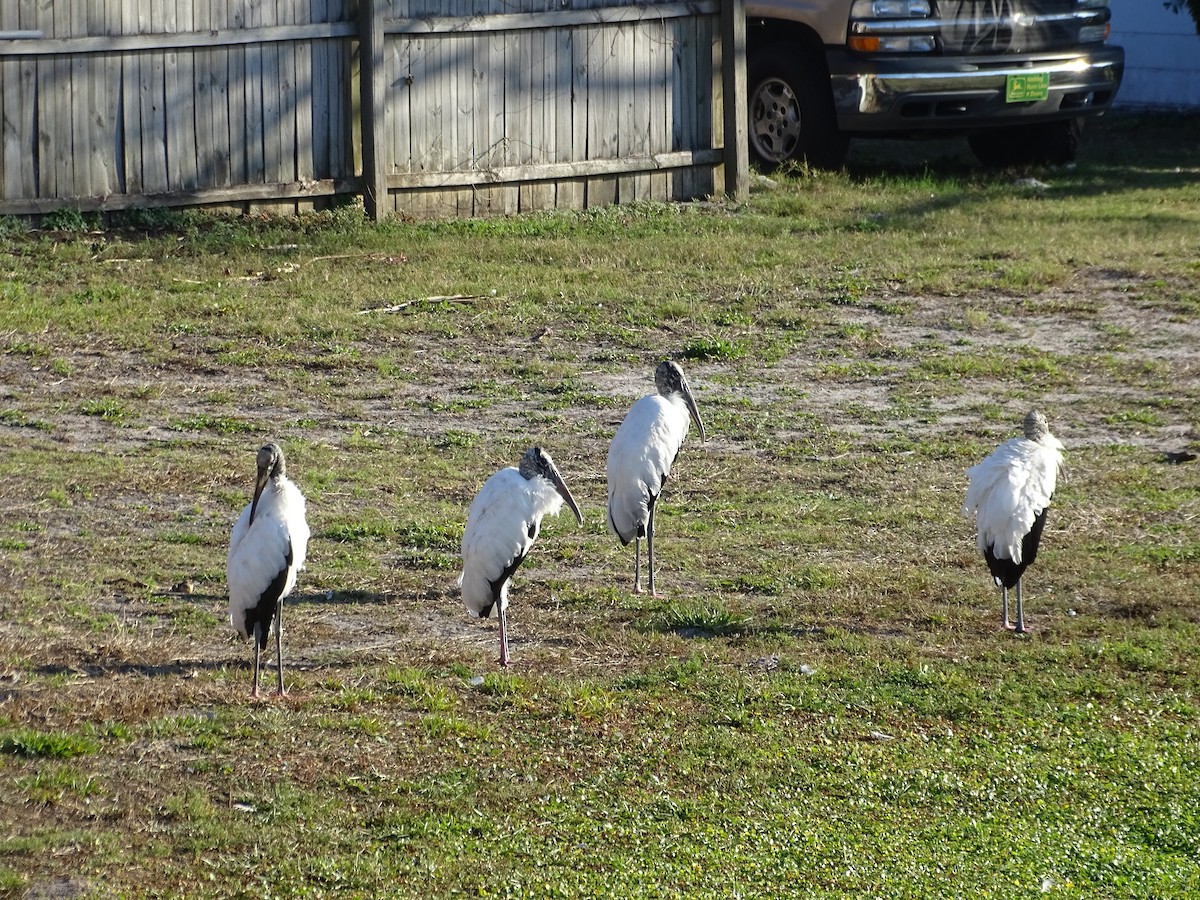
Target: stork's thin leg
279,645
255,637
1020,610
503,635
650,548
1004,604
637,565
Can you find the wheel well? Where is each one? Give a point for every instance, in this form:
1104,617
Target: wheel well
761,33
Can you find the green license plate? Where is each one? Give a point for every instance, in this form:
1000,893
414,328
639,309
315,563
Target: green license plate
1027,86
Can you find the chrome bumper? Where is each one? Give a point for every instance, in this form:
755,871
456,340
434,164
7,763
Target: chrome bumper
903,94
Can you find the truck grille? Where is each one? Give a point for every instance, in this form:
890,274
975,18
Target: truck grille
1011,26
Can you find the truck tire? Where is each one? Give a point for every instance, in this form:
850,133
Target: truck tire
790,106
1042,144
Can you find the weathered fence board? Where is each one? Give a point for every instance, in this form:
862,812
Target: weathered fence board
457,107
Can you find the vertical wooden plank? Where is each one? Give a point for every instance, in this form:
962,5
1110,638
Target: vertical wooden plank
733,98
430,106
458,104
285,14
631,100
641,108
660,58
374,90
102,92
274,106
450,201
484,55
113,25
286,51
526,125
201,106
49,105
234,146
438,103
684,128
542,113
407,111
320,63
154,120
78,140
401,111
20,118
302,56
516,119
204,67
273,87
253,100
180,102
341,153
705,117
503,119
421,110
603,108
569,96
9,105
131,107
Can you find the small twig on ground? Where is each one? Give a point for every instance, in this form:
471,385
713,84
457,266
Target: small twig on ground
450,298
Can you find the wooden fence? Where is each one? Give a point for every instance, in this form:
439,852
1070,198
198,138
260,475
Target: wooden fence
425,107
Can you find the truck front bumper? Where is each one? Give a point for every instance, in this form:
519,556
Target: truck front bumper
906,94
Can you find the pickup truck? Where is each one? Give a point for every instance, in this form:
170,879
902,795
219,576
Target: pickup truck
1017,77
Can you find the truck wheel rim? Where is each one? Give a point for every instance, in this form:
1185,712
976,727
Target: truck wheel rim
775,121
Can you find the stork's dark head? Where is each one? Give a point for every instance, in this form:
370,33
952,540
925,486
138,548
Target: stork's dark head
536,463
270,465
669,379
1036,426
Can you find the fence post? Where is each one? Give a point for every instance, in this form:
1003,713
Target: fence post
374,92
733,103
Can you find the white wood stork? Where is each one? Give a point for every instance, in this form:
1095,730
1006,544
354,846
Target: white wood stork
640,459
1008,495
267,549
502,523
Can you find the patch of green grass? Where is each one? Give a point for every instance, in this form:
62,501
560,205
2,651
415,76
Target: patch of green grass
225,425
48,745
109,409
52,785
709,617
708,348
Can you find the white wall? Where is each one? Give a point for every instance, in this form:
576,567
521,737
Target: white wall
1162,54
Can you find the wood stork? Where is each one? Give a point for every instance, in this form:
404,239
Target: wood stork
1009,494
267,549
640,459
502,523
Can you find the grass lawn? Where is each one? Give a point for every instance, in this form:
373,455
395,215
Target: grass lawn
824,703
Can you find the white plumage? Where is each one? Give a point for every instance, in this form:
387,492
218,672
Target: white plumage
266,551
1008,494
640,459
503,522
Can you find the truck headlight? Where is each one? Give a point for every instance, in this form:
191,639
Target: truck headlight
879,26
889,9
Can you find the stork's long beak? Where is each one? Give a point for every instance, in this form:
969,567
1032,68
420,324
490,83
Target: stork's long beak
259,484
563,491
693,411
